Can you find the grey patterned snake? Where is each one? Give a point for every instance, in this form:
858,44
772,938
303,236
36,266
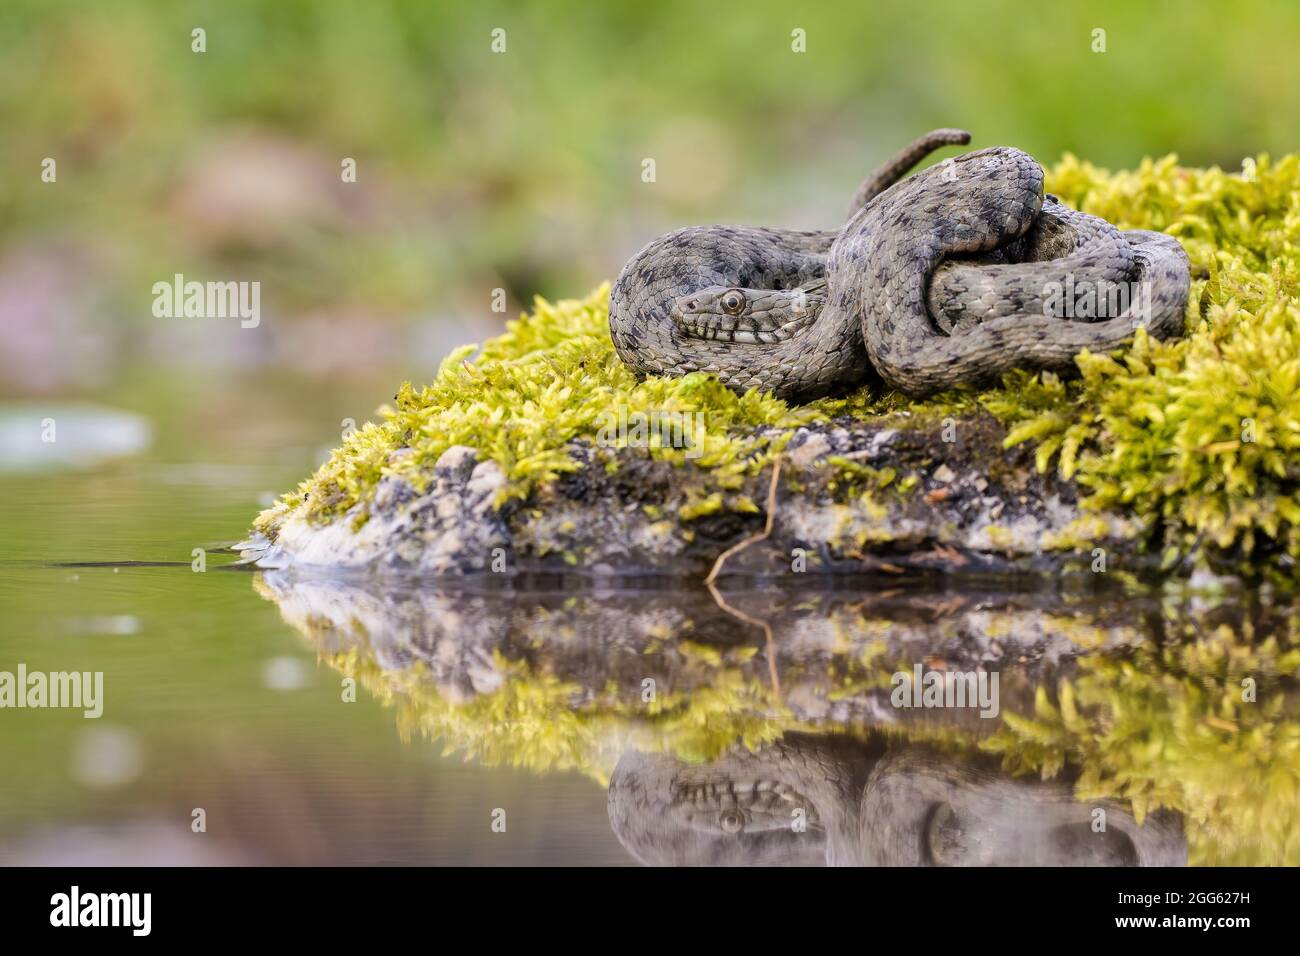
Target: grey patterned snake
950,277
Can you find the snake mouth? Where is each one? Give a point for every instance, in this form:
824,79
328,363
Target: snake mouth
743,806
770,326
698,327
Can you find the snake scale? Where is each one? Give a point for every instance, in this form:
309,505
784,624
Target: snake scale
869,802
950,277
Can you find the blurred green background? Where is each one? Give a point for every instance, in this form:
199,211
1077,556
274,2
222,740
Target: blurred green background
521,170
477,171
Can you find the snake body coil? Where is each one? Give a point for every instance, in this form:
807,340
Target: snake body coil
951,277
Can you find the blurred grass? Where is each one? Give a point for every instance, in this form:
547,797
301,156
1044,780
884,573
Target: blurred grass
523,169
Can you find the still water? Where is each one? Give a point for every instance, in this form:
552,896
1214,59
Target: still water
258,717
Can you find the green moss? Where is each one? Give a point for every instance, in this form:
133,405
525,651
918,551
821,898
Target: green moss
1197,439
1081,533
1002,538
552,378
854,478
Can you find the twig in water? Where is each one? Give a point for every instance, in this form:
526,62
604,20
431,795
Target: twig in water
757,622
740,546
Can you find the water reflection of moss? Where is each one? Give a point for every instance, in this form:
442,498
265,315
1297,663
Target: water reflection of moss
1142,703
1157,726
536,719
1169,728
545,723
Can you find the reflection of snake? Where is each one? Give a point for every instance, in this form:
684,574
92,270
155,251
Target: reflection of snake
924,809
912,807
798,313
742,808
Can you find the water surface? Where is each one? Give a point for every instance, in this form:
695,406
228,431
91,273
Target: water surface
559,721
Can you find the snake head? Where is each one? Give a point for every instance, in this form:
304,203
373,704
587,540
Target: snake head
748,316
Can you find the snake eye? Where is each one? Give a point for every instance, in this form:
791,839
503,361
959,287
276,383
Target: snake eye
731,821
733,301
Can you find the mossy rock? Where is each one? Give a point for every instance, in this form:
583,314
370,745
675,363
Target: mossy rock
1172,456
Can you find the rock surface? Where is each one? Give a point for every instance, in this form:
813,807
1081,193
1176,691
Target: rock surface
853,496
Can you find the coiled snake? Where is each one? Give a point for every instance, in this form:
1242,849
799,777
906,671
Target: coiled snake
951,277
